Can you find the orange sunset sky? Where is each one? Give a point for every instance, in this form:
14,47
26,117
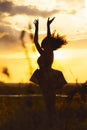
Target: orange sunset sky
70,20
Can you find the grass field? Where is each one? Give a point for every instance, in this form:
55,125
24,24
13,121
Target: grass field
29,113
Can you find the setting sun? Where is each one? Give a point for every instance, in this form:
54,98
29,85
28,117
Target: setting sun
59,54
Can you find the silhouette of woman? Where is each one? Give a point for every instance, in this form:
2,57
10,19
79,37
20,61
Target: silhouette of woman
49,44
46,77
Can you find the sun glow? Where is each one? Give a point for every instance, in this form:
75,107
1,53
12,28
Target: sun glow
15,22
62,4
38,3
86,7
59,54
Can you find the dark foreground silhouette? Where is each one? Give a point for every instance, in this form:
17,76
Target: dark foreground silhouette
48,78
29,112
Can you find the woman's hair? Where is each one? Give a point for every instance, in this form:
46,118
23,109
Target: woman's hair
56,41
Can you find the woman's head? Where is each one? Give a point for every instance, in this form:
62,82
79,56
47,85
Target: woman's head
46,43
53,42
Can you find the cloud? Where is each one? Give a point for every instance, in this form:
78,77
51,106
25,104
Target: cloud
72,3
32,10
11,9
9,39
6,6
8,35
2,34
72,12
70,6
66,11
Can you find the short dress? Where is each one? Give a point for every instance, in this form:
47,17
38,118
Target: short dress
48,76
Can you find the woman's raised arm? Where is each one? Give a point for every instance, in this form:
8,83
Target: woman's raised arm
36,23
48,26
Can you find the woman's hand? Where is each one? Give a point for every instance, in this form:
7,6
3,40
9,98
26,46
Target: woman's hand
36,22
49,21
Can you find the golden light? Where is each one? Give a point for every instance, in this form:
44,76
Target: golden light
52,4
43,4
19,22
62,4
86,7
59,54
2,34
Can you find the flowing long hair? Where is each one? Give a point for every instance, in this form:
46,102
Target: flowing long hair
55,40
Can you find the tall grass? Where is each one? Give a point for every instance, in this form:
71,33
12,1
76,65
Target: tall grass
30,114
